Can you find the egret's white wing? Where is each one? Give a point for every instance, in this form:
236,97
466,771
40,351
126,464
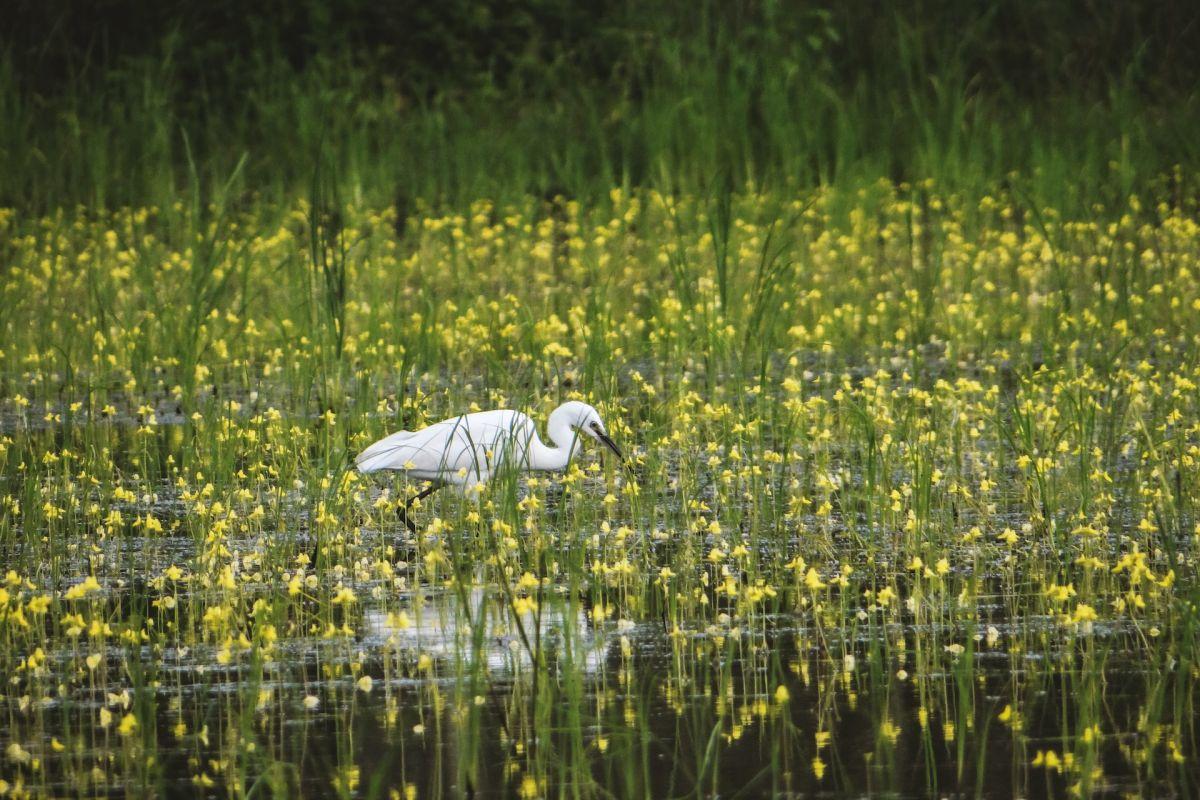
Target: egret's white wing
379,455
474,444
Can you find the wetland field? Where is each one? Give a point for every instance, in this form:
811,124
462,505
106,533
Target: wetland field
905,368
922,528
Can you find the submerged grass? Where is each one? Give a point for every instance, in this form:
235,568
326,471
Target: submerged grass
910,508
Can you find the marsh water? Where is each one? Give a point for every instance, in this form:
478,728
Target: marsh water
435,684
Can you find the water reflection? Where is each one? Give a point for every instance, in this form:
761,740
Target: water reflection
749,714
472,629
365,674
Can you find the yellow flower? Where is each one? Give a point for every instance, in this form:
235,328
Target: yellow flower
128,725
1048,759
41,604
812,580
1060,594
796,563
529,788
18,754
89,585
524,605
345,596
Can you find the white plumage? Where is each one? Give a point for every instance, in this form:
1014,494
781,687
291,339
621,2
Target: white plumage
468,450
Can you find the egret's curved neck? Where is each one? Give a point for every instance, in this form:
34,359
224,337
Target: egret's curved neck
564,442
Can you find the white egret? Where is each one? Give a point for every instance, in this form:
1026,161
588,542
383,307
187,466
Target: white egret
467,451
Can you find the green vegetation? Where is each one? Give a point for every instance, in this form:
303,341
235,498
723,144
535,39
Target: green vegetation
497,102
899,330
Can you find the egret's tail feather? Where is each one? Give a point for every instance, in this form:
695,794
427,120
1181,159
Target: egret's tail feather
381,455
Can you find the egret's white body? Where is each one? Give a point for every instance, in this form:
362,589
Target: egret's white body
468,450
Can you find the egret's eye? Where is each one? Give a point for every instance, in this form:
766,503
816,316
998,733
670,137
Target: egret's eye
596,426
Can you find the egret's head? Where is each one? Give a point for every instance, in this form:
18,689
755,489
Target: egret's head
586,420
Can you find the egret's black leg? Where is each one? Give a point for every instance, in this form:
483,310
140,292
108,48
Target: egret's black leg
421,495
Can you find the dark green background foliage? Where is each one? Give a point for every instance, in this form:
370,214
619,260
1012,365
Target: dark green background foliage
124,101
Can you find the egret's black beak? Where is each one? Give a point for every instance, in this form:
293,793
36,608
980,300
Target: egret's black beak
610,444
